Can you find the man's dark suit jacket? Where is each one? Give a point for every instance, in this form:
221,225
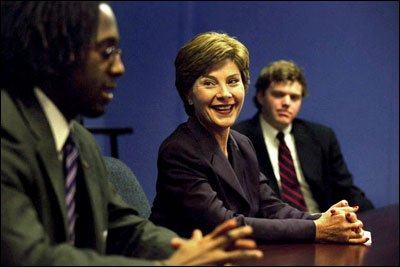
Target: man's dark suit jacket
33,214
198,187
321,161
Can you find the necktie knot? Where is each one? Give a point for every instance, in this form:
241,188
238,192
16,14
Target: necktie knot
69,145
280,136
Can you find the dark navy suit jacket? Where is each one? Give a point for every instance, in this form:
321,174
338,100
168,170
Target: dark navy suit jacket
321,160
198,187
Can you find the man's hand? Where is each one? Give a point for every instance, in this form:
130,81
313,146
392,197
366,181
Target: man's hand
224,244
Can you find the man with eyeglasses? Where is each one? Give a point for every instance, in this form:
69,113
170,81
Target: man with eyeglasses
60,60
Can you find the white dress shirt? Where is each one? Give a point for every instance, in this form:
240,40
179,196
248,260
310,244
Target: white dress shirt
272,144
58,123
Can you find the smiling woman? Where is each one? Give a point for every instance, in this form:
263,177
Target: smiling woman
217,98
208,173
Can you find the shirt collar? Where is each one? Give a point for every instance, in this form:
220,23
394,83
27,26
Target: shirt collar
58,123
270,131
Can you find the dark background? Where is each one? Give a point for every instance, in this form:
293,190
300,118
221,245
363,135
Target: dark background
349,52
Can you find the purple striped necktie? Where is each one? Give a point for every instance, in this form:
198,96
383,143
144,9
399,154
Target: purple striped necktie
291,190
71,168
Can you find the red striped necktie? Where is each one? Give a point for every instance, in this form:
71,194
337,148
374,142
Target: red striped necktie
291,190
71,168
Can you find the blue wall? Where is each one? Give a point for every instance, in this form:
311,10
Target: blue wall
349,52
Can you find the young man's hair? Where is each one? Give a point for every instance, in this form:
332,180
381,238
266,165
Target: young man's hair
42,39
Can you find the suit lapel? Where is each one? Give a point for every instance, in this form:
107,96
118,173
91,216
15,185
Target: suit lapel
45,148
307,148
90,176
224,170
257,138
215,156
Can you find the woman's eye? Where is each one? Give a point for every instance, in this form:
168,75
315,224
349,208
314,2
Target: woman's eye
233,81
208,83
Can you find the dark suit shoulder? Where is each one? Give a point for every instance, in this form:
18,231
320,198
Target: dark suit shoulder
314,129
239,136
185,144
13,124
178,138
246,126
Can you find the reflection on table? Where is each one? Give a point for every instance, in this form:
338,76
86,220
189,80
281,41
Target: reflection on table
344,255
383,223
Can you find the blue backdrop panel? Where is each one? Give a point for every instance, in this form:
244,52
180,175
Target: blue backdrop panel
349,52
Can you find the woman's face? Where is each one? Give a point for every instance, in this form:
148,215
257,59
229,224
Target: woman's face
218,96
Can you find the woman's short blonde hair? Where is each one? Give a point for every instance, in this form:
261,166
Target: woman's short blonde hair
205,50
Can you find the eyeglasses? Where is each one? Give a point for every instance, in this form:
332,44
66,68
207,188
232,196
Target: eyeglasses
109,52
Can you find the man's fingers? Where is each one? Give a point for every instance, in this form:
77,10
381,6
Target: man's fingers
230,237
197,235
234,235
245,244
176,242
224,227
238,233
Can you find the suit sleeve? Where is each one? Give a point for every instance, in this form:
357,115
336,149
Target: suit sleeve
133,236
128,234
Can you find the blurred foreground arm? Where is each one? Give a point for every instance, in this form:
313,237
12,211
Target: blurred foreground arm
224,244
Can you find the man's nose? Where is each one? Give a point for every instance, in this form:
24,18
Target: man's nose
286,100
117,68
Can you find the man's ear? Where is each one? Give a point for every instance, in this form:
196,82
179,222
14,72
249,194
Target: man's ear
260,97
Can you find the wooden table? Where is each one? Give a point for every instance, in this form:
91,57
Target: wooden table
383,223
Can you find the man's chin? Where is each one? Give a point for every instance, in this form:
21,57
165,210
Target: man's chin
284,120
282,124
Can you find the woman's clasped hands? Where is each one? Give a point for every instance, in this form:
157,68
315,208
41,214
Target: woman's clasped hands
340,224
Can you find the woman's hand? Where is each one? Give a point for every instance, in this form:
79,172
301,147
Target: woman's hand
340,224
224,244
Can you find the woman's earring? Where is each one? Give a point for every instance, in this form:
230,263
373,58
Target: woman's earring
190,102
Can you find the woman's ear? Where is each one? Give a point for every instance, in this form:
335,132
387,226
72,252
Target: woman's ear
189,99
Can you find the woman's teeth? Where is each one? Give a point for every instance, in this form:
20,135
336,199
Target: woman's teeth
223,108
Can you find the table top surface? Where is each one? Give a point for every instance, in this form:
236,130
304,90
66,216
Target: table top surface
383,223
